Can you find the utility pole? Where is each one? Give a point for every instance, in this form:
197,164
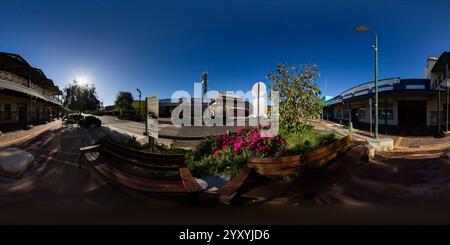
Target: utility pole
204,77
139,112
375,47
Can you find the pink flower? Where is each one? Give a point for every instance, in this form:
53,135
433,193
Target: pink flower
216,154
238,145
248,138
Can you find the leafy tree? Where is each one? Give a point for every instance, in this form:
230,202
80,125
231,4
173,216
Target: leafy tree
124,102
299,96
143,110
81,97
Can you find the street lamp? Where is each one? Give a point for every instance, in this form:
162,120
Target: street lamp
375,47
139,91
447,88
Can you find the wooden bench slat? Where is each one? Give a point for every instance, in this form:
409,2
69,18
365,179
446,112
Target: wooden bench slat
355,154
179,158
139,172
139,162
275,165
146,154
279,171
272,161
134,169
324,159
135,182
233,186
189,183
121,172
327,150
148,160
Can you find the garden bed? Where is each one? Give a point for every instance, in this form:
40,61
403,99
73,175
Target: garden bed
293,164
227,154
219,159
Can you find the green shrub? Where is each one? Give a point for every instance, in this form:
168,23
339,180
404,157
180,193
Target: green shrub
300,142
204,148
130,115
108,113
299,96
226,162
98,113
172,149
74,118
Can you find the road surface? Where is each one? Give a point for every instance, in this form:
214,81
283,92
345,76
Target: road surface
166,130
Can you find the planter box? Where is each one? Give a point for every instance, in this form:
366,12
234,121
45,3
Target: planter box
291,164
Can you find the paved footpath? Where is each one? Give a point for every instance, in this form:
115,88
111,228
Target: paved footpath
330,126
401,143
55,177
20,136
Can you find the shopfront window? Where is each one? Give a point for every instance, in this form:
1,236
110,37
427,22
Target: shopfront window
386,110
7,112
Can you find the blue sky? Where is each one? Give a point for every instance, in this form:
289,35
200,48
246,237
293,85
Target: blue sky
163,46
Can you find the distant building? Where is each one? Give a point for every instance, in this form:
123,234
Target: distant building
437,73
110,108
27,96
405,105
222,104
326,98
230,107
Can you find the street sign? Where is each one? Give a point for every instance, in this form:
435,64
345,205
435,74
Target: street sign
152,116
258,91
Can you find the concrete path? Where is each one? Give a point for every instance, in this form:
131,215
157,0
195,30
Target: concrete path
330,126
20,136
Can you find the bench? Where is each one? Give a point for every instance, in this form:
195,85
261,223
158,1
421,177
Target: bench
140,170
291,165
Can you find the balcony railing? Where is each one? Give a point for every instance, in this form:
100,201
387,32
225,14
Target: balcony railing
23,82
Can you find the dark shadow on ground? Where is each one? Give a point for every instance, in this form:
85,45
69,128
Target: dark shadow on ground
393,179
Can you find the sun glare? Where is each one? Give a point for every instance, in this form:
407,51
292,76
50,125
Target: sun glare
82,79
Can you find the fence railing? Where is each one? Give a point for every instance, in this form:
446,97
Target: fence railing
21,81
14,115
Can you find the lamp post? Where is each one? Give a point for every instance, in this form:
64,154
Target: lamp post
375,47
139,91
447,89
204,77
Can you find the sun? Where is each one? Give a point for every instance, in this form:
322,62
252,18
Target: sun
82,79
